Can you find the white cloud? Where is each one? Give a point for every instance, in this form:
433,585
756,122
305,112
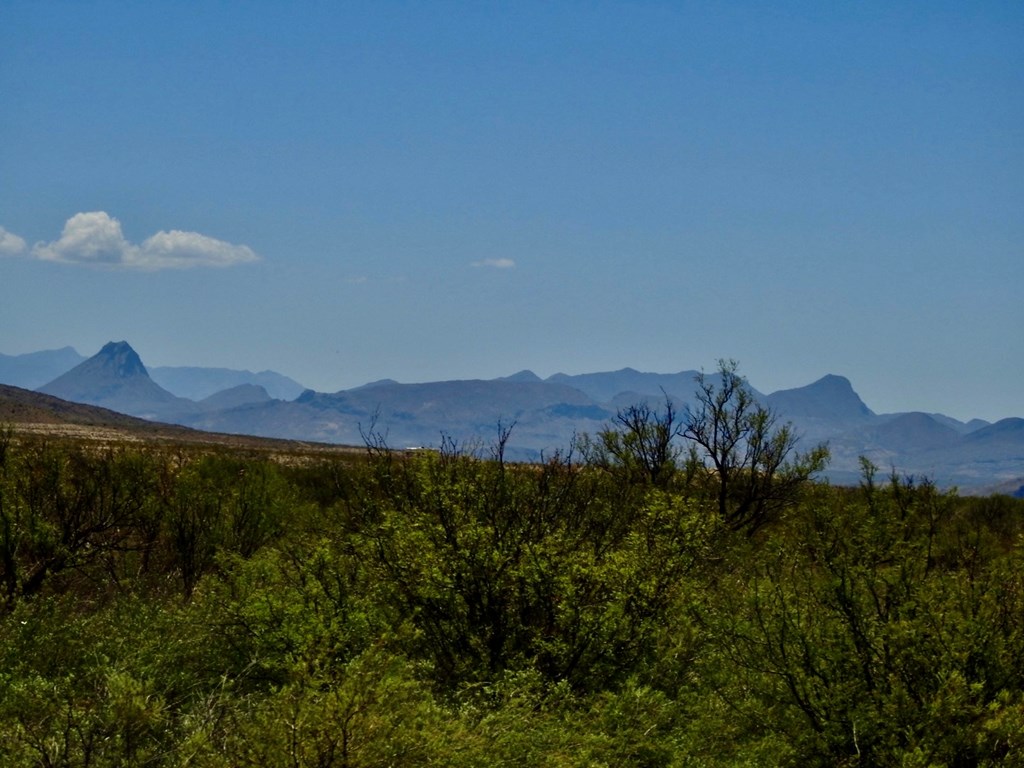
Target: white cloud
96,238
495,263
190,249
10,243
88,238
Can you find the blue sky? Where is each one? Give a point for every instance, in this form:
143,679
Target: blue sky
344,192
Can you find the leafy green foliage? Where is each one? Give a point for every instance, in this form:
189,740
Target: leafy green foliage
183,606
751,456
503,567
641,446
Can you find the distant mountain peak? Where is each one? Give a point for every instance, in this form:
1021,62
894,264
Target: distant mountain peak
523,375
115,378
372,384
834,379
833,384
121,359
831,397
243,394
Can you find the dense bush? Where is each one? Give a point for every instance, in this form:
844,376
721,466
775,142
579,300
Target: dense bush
182,606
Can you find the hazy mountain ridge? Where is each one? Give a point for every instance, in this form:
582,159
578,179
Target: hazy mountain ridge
197,383
830,398
603,387
548,414
243,394
37,369
34,369
115,378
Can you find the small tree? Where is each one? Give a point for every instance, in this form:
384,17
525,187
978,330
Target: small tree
640,443
741,441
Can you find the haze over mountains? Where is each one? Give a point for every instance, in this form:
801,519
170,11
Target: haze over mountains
33,370
115,378
547,413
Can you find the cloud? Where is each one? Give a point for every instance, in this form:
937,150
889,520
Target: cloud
190,249
88,238
10,243
495,263
96,238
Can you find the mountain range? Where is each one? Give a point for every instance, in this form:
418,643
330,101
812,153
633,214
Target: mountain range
547,413
35,369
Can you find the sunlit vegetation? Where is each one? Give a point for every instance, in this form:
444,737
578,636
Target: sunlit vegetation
613,607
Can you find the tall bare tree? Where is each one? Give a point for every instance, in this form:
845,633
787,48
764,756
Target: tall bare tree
753,457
